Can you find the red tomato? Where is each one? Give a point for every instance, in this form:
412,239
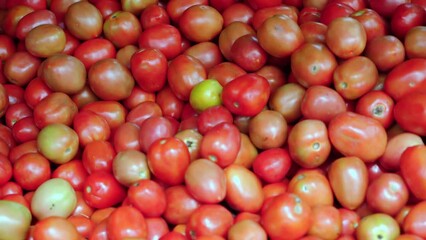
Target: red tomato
122,28
74,172
209,219
180,205
272,165
247,53
25,130
237,12
152,129
83,224
98,155
335,10
286,213
51,227
152,15
377,105
6,170
149,68
126,222
31,170
94,50
102,190
409,113
350,220
164,37
168,159
57,107
90,127
412,170
148,197
414,222
113,112
326,222
126,137
35,91
405,17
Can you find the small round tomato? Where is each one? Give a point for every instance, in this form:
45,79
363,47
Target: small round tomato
385,51
31,170
56,108
326,222
412,42
93,50
126,222
98,155
409,113
414,220
83,20
102,190
405,17
378,225
412,170
180,205
206,94
122,28
6,170
72,171
164,37
51,227
148,197
272,165
378,105
90,127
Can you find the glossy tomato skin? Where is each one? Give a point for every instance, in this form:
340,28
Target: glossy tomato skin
126,222
33,19
412,169
353,134
334,10
90,127
149,68
377,105
148,197
102,190
113,112
221,144
168,159
409,113
94,50
98,156
164,37
122,28
349,180
295,220
74,172
413,222
406,78
272,165
246,95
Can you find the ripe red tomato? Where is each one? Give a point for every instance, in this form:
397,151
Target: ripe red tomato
272,165
102,190
90,127
209,219
148,197
31,170
126,222
413,222
164,37
409,113
94,50
74,172
412,170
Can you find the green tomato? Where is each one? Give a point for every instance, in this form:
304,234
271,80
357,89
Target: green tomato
55,197
15,220
205,94
58,143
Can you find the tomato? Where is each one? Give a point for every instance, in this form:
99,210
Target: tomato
272,165
130,166
246,95
308,142
247,53
21,149
45,40
126,137
5,169
7,46
280,36
12,17
412,42
206,181
25,130
113,112
286,213
387,194
53,198
102,190
246,229
74,172
148,197
414,220
378,225
412,169
180,204
110,80
377,105
261,15
83,225
350,221
335,10
34,19
237,12
51,227
31,170
164,37
83,20
152,15
15,93
159,127
406,78
94,50
359,136
206,94
168,159
35,91
16,112
287,100
345,44
149,68
326,222
175,8
200,17
409,112
98,155
374,24
322,103
230,34
405,17
21,67
209,219
349,174
126,222
313,64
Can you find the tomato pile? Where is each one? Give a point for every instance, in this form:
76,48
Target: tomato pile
209,120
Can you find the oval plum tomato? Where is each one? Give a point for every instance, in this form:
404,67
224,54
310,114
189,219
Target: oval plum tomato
246,229
83,20
31,170
350,221
356,135
175,8
125,53
208,53
409,113
387,194
287,100
385,51
93,50
385,7
243,189
246,95
313,32
349,180
378,225
45,40
15,93
221,143
355,77
35,91
225,72
183,73
25,130
209,219
126,137
413,42
205,181
322,103
102,190
272,165
58,70
149,68
413,170
12,17
143,111
168,159
414,221
164,37
122,28
286,213
313,64
345,44
211,117
237,12
58,143
16,112
83,224
406,78
126,222
21,67
308,143
200,17
148,197
280,36
110,80
268,129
